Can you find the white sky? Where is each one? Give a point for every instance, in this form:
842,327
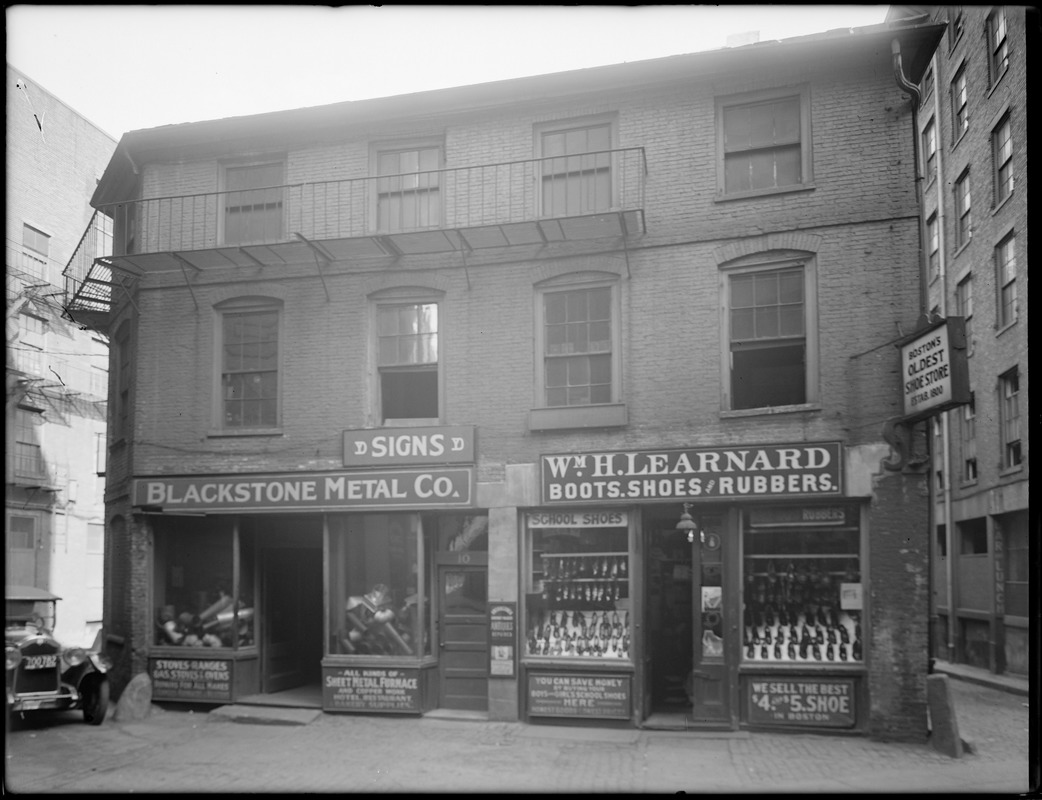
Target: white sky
132,67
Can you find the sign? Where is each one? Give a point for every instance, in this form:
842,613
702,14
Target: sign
195,679
390,447
802,517
502,639
444,487
370,689
797,701
601,696
850,598
577,519
706,473
934,372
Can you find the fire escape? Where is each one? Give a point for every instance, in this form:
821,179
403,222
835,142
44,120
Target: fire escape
458,211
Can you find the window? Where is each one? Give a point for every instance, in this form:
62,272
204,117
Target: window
969,440
30,343
249,333
963,220
1009,413
930,150
121,413
998,45
973,537
407,361
926,87
764,142
379,592
576,169
95,537
964,306
36,248
578,591
769,359
960,111
408,189
21,532
253,203
933,237
1002,159
577,338
28,454
1006,281
955,29
197,601
793,577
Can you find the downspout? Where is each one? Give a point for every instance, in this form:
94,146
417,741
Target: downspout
913,92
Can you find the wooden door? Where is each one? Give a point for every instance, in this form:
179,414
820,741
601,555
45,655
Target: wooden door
292,617
712,674
463,656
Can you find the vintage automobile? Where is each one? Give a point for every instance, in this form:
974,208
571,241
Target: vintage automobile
41,673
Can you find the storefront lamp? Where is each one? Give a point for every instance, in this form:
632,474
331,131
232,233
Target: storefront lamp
689,526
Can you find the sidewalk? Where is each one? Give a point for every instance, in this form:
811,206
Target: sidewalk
982,677
194,751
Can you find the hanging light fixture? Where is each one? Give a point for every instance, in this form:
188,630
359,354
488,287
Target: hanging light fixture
688,525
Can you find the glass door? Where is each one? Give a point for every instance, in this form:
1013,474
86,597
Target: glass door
709,683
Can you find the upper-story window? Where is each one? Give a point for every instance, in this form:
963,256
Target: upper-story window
123,356
960,104
998,45
963,220
1002,159
28,452
253,203
926,86
408,186
955,28
407,356
933,241
964,306
576,168
249,363
968,438
36,248
763,141
1009,413
577,346
31,343
930,151
1006,281
771,341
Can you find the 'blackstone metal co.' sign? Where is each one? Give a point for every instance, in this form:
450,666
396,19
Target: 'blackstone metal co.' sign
699,473
411,488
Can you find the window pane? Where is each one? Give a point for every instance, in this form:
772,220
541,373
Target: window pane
409,394
765,376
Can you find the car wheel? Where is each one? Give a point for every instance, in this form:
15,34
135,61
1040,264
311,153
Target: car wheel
95,699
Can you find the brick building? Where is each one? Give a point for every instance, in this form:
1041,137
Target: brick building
56,372
973,123
552,398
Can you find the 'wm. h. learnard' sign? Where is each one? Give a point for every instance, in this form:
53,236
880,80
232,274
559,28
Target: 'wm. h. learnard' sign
698,473
414,488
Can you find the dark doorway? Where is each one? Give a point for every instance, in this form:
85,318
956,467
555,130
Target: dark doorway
291,592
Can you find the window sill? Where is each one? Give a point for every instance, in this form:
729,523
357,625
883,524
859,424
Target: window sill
1007,472
1002,203
769,410
232,434
758,193
960,249
609,415
1004,328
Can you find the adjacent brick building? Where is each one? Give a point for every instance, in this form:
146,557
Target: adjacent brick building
554,398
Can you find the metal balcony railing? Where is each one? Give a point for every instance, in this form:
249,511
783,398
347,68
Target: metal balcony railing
470,207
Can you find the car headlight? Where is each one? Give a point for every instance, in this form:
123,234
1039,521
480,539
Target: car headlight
12,656
74,656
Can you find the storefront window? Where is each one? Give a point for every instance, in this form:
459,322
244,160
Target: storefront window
802,586
201,599
577,587
378,593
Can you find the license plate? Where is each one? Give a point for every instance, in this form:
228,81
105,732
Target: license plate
30,705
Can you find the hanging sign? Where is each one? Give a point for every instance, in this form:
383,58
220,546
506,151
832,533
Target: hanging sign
934,372
798,470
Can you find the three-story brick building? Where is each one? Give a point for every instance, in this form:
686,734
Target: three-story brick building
557,397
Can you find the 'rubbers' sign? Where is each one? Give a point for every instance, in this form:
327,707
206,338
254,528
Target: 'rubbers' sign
448,487
790,470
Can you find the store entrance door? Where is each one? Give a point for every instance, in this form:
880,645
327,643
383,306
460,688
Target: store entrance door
710,681
291,598
463,656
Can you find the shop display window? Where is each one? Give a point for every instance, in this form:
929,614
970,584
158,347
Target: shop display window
802,594
378,592
202,597
578,593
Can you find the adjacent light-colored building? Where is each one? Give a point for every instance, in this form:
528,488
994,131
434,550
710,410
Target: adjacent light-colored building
56,369
562,397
